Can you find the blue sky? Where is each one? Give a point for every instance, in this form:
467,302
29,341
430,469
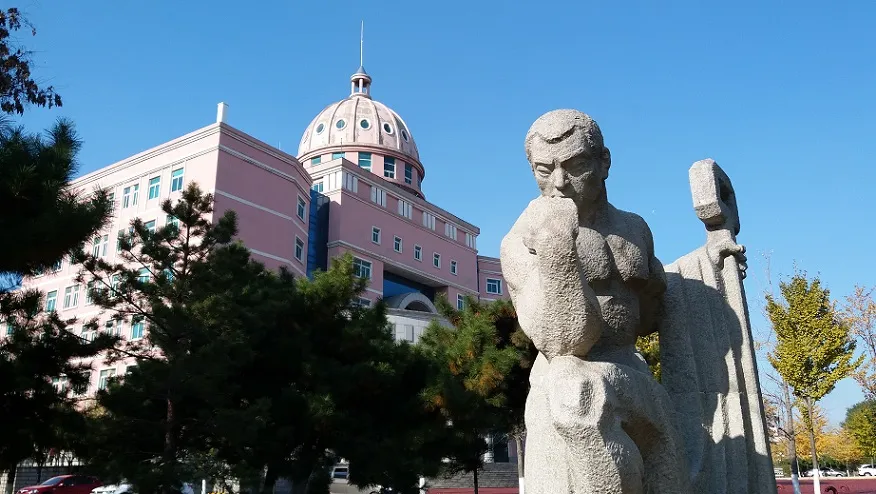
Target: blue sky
781,97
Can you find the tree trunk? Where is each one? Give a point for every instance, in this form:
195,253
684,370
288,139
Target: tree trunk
816,473
475,481
270,480
521,454
168,456
10,479
792,441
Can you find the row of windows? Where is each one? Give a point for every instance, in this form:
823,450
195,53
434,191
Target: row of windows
379,197
398,246
365,163
131,193
365,123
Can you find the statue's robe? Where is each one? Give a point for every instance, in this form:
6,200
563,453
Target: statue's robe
708,369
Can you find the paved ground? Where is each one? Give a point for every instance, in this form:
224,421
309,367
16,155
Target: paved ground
859,485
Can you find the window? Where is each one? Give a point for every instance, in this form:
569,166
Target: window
387,128
436,260
365,161
361,268
494,286
470,240
351,182
88,288
112,327
114,285
364,123
299,248
409,174
143,275
338,155
362,302
450,230
404,209
10,328
452,267
409,333
315,160
317,186
378,196
460,301
58,265
71,296
98,245
105,376
340,472
51,299
150,226
397,244
418,253
176,180
112,201
429,220
404,135
340,124
172,220
389,167
302,208
138,327
60,384
154,187
375,235
126,197
320,128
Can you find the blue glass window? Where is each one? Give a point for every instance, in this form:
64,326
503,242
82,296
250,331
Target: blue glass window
409,174
176,180
365,161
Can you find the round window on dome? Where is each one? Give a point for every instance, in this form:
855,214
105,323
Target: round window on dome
341,124
364,123
404,135
320,128
387,128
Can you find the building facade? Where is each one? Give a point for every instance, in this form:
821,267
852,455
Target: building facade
354,187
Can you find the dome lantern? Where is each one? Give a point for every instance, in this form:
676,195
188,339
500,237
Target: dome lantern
360,83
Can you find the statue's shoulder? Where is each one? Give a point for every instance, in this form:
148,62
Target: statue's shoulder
630,225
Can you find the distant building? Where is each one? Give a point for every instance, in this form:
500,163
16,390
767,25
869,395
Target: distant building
355,186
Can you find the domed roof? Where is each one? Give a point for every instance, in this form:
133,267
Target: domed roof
359,120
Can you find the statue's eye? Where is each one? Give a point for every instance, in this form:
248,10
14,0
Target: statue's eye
543,170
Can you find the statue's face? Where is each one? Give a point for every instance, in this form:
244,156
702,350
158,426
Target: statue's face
569,168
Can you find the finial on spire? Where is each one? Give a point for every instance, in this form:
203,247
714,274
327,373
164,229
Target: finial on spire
362,45
360,82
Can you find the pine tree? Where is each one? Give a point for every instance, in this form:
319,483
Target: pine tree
189,293
485,359
813,347
49,219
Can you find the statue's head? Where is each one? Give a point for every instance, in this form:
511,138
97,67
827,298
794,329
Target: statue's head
568,156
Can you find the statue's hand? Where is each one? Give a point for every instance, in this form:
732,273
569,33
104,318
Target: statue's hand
553,222
722,247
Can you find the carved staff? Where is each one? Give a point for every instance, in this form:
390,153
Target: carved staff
715,204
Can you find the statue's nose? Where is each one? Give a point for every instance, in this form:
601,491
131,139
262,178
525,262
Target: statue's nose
560,178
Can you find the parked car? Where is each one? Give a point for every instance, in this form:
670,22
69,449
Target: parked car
867,470
120,488
63,484
825,472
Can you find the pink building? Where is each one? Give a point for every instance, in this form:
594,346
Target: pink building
355,187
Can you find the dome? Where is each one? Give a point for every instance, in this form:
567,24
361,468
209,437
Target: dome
362,121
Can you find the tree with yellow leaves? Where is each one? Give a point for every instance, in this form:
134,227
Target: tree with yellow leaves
814,348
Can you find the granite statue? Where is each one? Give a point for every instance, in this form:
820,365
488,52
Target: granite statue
586,283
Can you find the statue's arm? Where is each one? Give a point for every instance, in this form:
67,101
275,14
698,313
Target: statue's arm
651,307
556,307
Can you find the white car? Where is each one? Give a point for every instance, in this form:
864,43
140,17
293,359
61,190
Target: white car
867,470
825,472
121,488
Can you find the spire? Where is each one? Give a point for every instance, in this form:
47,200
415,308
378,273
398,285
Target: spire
360,82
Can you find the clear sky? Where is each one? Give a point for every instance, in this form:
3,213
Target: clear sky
782,96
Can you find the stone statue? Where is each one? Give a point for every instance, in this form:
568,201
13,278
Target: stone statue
586,283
